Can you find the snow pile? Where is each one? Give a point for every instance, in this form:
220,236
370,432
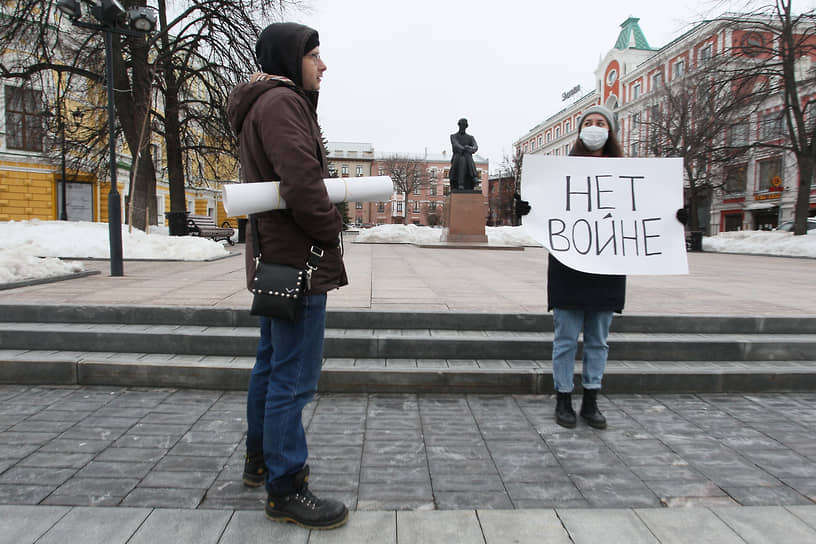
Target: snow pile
30,249
762,242
16,265
395,234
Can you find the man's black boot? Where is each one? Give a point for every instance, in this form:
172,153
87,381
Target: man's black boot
564,414
589,410
254,469
304,509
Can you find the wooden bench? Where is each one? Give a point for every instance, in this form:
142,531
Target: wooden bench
204,226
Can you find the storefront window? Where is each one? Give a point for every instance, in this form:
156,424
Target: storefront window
770,173
733,222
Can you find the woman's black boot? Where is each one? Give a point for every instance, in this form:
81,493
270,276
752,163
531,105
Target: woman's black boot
564,414
589,410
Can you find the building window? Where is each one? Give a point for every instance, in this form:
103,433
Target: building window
557,132
155,154
380,171
416,206
539,141
732,221
657,80
433,173
380,207
706,53
24,119
432,206
398,206
549,137
433,189
770,173
358,205
772,124
735,178
332,170
566,126
635,91
738,134
416,190
359,171
344,170
679,68
633,149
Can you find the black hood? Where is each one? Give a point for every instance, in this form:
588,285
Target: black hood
281,47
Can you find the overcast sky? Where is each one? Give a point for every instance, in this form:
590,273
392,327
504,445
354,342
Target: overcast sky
400,74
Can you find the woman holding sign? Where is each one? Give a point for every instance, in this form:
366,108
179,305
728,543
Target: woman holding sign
583,301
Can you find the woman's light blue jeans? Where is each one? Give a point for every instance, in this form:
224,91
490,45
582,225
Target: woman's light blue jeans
283,381
568,325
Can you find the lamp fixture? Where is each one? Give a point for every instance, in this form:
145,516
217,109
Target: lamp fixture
141,18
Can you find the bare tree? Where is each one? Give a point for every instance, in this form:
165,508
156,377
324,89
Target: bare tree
691,117
178,79
776,49
431,212
511,169
408,174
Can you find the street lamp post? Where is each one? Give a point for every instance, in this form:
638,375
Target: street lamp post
63,214
141,22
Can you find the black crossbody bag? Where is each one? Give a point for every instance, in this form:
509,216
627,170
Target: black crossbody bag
279,290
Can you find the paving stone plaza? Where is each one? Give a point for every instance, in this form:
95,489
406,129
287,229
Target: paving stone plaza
134,463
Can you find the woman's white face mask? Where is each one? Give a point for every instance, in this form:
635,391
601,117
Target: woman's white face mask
594,137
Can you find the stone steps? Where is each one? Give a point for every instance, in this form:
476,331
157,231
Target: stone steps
401,351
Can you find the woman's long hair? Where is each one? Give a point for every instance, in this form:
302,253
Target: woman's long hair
610,149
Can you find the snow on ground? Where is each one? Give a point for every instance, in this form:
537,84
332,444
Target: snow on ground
33,249
762,242
394,234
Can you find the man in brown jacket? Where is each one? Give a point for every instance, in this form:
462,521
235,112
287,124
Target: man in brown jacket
275,118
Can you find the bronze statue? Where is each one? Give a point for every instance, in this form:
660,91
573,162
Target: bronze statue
463,175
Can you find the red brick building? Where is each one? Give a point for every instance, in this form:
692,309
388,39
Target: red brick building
424,203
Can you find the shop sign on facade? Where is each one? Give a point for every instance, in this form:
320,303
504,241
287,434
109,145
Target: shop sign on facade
767,196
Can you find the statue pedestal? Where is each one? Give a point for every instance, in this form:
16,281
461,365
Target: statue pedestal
464,218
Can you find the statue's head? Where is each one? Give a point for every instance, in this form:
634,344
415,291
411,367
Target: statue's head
462,123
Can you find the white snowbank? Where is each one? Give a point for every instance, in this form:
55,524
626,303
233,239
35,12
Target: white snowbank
30,249
394,234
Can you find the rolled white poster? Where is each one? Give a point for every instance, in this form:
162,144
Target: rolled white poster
248,198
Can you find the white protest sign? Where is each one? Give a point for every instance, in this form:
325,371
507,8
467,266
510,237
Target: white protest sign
607,216
249,198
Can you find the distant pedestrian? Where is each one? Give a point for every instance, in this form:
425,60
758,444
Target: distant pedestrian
582,301
275,118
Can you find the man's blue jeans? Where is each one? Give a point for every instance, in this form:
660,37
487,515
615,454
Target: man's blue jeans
283,381
568,325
